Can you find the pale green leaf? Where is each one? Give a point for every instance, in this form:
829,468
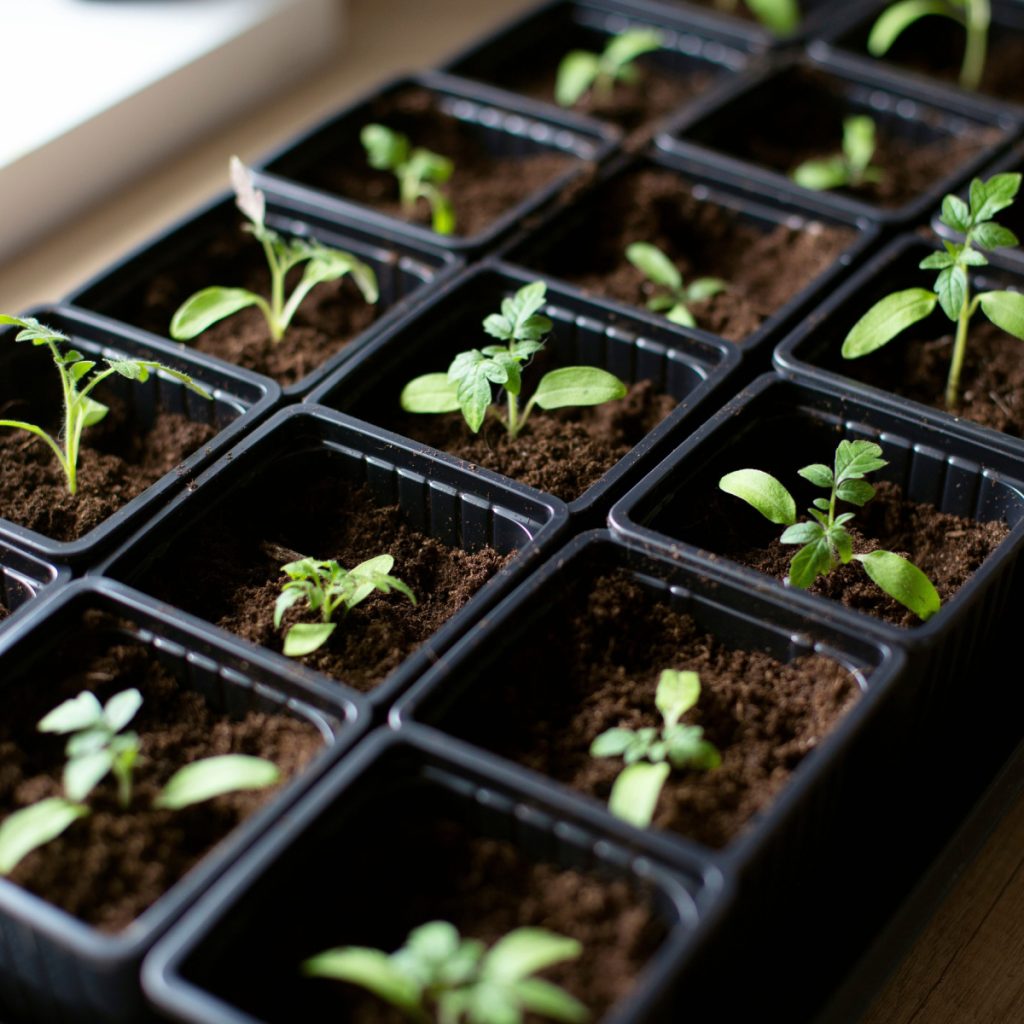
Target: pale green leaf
677,692
215,776
431,393
121,709
524,951
72,715
818,474
635,792
763,492
627,46
370,969
956,214
887,318
801,533
654,265
821,175
306,637
548,1000
385,149
1005,310
612,743
83,774
576,74
989,197
578,385
206,308
903,581
779,16
895,19
31,827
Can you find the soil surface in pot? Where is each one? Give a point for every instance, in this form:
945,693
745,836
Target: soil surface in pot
228,571
118,460
107,868
947,548
562,451
329,318
602,656
764,268
803,121
482,188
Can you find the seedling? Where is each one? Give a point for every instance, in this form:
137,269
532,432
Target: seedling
851,168
326,587
440,976
97,746
896,312
467,384
779,16
650,754
825,539
580,71
676,297
79,377
322,264
974,15
418,170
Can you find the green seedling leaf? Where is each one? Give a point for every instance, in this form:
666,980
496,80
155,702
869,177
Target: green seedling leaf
895,20
887,318
612,743
577,385
31,827
576,74
856,492
854,459
902,581
540,996
385,150
677,692
1005,310
956,214
81,712
993,236
818,474
803,533
215,776
763,492
32,330
525,951
636,790
989,197
951,288
207,307
370,969
810,562
306,637
431,393
821,175
579,70
779,16
654,265
83,774
624,48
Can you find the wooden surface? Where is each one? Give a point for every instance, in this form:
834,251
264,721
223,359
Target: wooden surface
967,967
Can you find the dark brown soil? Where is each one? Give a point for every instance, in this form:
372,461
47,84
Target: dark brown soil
118,460
992,381
330,317
602,656
764,270
107,868
563,452
947,548
3,612
483,187
228,571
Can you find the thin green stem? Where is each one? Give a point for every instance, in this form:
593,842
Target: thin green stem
514,423
977,22
959,350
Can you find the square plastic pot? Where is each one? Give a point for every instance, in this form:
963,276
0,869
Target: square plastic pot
237,960
240,400
812,353
523,57
457,507
816,95
52,965
405,270
486,118
568,234
25,578
692,369
779,426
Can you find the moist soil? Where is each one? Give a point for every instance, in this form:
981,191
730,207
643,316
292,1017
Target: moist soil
764,269
329,318
107,868
562,452
228,572
118,460
991,382
804,121
602,657
947,548
483,187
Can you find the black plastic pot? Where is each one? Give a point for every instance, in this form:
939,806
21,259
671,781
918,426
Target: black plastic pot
461,509
347,850
689,368
486,117
55,967
240,400
812,352
405,270
779,426
23,578
809,96
530,48
931,50
569,235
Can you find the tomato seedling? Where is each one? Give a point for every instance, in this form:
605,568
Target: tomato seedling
581,71
675,298
849,169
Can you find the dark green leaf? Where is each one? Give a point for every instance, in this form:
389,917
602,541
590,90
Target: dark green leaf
842,542
989,197
994,236
809,563
856,492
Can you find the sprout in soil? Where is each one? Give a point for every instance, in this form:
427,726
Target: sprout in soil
826,543
467,384
849,169
650,754
440,976
418,170
97,746
779,16
322,264
326,587
580,71
675,298
974,15
896,312
79,377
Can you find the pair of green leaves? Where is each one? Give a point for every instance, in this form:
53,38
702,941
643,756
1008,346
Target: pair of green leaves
439,975
98,745
650,754
675,300
419,172
326,587
580,71
466,387
79,377
824,539
852,167
322,264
